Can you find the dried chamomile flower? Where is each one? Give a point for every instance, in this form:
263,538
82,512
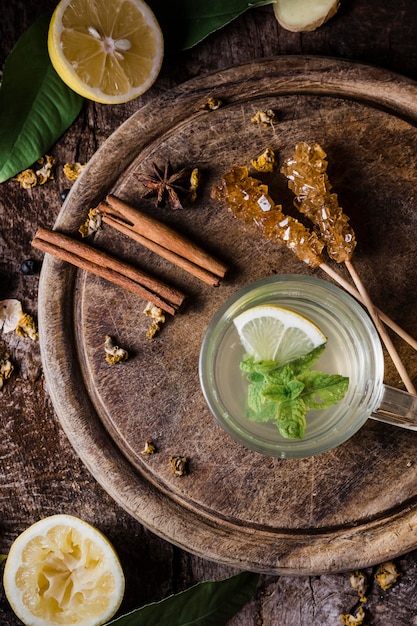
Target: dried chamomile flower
26,327
12,317
265,162
26,179
386,575
114,354
265,118
179,465
158,318
149,448
92,224
73,170
36,176
354,620
194,183
211,104
45,172
6,368
359,581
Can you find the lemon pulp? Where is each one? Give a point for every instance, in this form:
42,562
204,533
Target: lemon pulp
274,333
63,571
107,51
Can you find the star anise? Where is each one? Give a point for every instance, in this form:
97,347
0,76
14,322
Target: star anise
168,186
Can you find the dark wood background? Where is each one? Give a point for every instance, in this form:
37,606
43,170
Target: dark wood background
39,472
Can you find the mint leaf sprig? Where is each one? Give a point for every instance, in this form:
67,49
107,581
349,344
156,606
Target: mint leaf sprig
284,393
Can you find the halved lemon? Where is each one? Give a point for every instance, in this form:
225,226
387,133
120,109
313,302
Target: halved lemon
63,571
109,51
275,333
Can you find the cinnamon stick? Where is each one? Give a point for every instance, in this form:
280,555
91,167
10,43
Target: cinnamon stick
114,270
163,235
197,271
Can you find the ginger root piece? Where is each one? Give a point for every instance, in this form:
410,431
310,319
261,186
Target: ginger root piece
304,15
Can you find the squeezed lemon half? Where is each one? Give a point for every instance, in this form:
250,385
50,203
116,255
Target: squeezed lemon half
275,333
63,571
109,51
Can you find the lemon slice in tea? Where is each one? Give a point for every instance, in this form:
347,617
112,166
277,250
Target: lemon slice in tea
109,51
274,333
61,570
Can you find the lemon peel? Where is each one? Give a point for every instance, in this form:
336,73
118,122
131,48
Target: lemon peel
275,333
108,52
63,571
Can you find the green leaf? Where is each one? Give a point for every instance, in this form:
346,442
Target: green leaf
36,107
292,421
323,390
302,364
257,371
211,603
187,22
247,365
3,557
275,393
281,375
260,410
283,393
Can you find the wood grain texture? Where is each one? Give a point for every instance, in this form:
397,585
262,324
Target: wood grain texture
40,473
237,507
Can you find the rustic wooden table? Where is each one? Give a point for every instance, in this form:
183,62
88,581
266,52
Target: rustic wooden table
40,473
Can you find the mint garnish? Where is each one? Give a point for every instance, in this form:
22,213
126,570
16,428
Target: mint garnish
284,393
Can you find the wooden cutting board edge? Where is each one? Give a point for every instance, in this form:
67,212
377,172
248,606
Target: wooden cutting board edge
191,530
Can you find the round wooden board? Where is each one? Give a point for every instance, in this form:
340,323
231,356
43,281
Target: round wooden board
349,508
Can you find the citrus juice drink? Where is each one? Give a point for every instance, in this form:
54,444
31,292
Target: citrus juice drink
352,350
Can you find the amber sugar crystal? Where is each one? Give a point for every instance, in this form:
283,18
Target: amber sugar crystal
306,172
248,199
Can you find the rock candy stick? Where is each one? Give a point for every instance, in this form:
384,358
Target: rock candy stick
306,172
248,199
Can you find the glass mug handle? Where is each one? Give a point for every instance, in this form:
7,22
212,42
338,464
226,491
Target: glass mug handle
397,407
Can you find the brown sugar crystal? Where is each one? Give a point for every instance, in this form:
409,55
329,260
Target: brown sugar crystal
247,198
306,172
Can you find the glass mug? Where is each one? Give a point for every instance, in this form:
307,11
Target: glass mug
353,349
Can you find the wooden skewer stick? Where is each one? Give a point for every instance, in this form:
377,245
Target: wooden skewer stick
382,316
315,200
381,328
